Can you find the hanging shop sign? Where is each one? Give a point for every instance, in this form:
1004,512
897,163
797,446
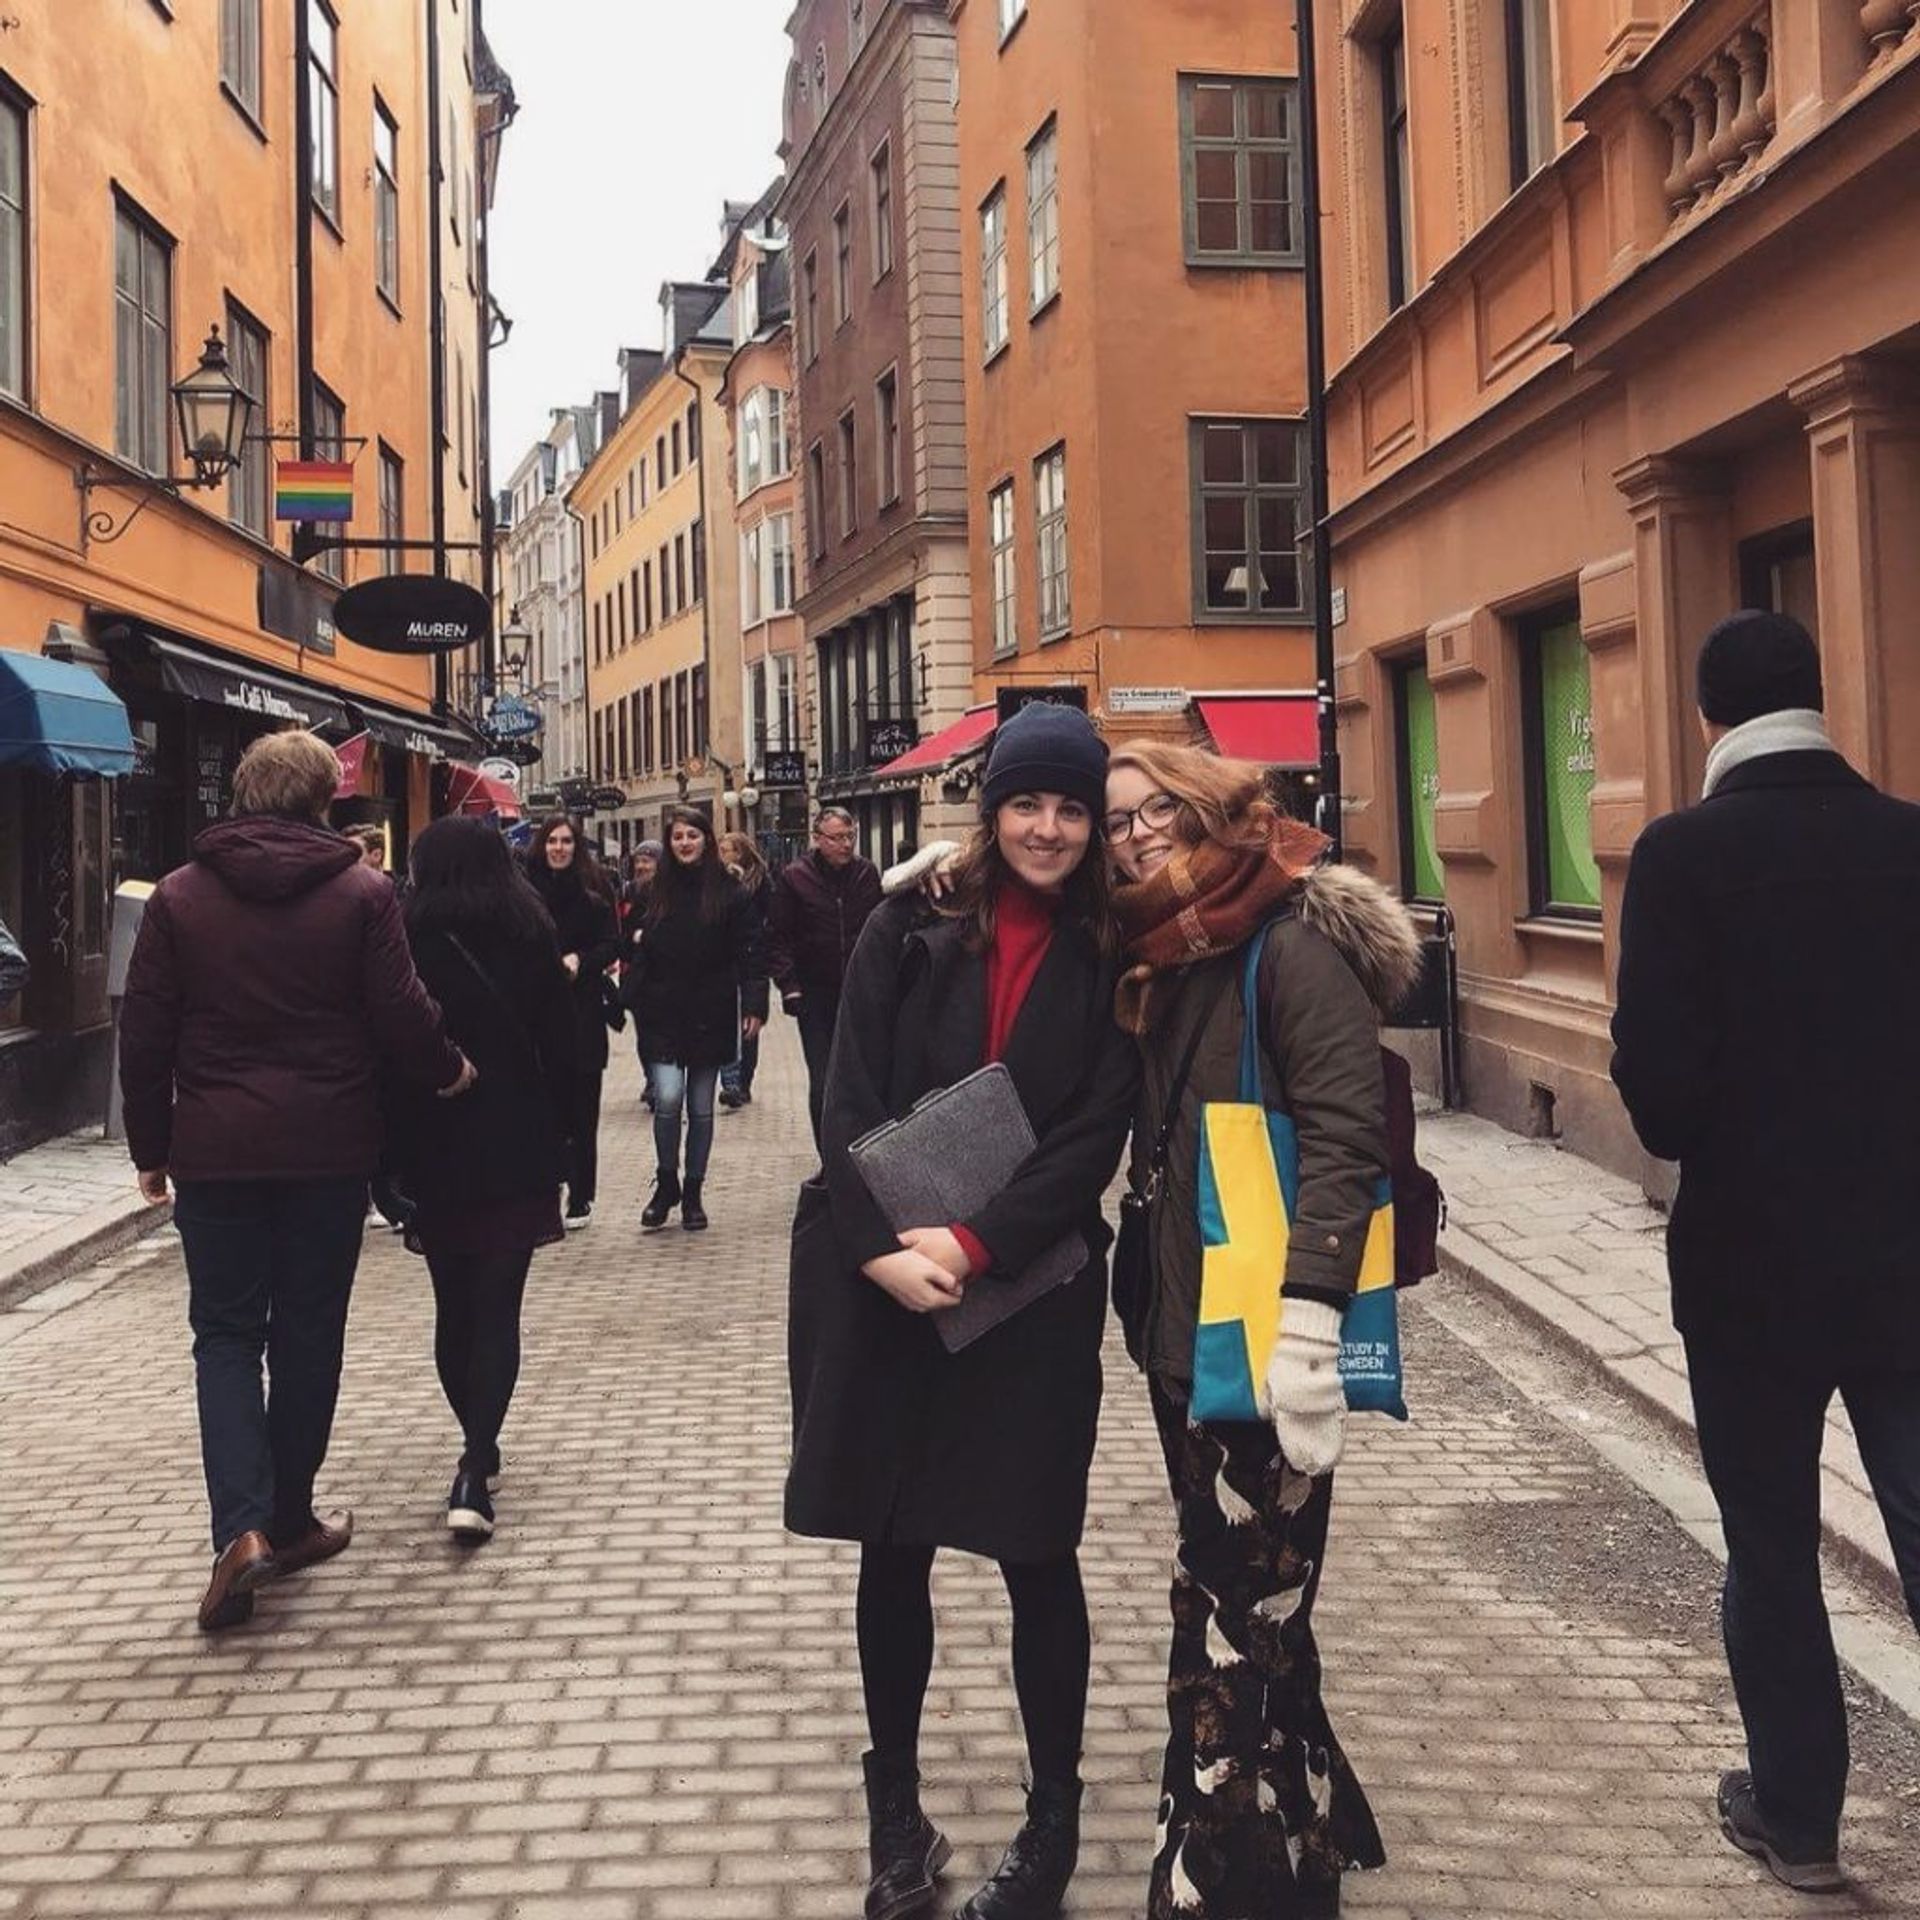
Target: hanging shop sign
889,740
783,769
502,770
413,613
296,606
1010,700
510,717
607,799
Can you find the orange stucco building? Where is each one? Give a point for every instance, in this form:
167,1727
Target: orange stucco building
310,183
1134,346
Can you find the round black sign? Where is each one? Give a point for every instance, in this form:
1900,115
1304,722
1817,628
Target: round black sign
413,613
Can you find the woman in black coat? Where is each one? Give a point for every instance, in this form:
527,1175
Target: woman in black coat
748,865
579,900
484,1171
697,987
898,1443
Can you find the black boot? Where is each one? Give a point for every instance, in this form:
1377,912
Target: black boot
693,1216
904,1848
666,1196
1031,1880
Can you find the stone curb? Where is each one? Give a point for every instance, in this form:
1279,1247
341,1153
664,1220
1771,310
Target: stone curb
77,1243
1849,1520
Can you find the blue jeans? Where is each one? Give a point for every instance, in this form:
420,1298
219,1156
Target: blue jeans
1761,1419
690,1088
270,1266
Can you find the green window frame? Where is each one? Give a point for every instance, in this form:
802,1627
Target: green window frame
1247,506
1557,712
1241,192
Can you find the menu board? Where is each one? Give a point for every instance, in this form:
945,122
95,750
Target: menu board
1567,770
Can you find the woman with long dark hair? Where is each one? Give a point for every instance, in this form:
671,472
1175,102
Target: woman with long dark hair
748,865
899,1443
484,1172
579,900
697,988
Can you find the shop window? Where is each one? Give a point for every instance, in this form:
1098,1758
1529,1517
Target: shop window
1778,574
1557,711
1422,877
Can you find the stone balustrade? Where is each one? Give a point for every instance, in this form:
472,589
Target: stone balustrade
1889,25
1721,117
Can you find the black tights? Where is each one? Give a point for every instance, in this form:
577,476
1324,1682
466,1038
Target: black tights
1052,1651
476,1343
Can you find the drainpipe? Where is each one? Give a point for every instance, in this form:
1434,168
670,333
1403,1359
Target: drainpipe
302,241
437,321
1318,508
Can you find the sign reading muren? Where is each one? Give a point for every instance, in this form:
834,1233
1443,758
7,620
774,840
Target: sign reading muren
412,613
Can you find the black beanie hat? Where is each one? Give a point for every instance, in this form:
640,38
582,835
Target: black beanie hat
1754,663
1047,749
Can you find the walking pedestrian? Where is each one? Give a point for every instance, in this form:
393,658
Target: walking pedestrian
697,987
270,984
748,865
484,1173
1766,1038
819,905
579,901
641,869
898,1443
1260,1812
372,842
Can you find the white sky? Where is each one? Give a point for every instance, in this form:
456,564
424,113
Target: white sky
637,119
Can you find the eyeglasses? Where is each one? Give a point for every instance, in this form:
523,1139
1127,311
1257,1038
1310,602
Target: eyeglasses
1156,812
834,839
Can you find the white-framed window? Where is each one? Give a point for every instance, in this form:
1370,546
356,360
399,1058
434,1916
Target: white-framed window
993,272
1012,12
777,551
1050,540
843,264
240,52
880,208
746,308
1043,218
764,452
386,202
143,339
323,105
1006,637
751,545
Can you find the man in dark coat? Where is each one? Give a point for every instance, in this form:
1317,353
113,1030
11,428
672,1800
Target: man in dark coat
270,987
819,906
1767,1039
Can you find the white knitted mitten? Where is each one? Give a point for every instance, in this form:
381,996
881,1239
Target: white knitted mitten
1303,1387
910,873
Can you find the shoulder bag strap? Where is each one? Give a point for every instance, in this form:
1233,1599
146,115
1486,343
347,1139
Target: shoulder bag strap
1254,1013
1176,1092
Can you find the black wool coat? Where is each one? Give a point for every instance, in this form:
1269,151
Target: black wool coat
690,981
1768,1039
585,924
894,1438
505,1138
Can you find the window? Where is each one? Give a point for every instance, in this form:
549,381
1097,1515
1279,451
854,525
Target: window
1006,637
453,163
816,501
886,394
752,601
680,570
993,273
329,443
1249,519
619,618
1050,540
647,761
1397,166
240,53
697,545
625,761
779,457
1422,877
386,203
1532,119
1558,724
646,594
1012,12
660,463
1778,574
596,633
880,172
323,111
849,476
746,307
698,696
247,484
666,583
1043,218
777,557
1241,170
633,596
616,509
460,423
674,441
142,339
13,247
810,309
842,265
763,438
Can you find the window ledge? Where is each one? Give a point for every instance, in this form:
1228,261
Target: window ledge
391,304
1054,635
245,112
1552,926
1000,352
327,220
1045,307
1214,617
1247,262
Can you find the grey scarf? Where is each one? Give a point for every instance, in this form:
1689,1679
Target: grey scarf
1791,730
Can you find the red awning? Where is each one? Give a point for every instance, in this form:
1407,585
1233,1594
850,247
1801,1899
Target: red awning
1276,729
941,749
472,792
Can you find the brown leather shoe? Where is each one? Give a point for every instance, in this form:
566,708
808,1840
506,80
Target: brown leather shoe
320,1542
244,1563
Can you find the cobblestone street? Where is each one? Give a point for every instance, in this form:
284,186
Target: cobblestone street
639,1703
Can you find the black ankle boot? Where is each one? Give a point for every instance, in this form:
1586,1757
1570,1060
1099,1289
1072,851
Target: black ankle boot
905,1850
693,1216
1031,1880
666,1196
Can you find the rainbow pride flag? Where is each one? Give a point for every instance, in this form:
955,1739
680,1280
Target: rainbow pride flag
313,490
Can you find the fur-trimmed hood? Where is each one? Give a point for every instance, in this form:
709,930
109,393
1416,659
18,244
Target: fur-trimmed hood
1375,934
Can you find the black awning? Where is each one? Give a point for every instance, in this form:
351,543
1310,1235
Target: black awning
417,733
222,682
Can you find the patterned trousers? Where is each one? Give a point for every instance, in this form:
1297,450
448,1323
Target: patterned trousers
1260,1813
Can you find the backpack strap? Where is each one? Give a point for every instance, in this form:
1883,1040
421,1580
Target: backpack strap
1251,1091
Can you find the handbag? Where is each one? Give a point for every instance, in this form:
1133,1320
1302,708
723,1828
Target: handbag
1248,1190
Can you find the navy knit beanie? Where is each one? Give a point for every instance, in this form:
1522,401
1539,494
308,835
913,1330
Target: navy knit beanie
1754,663
1047,749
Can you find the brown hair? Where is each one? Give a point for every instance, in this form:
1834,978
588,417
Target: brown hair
586,863
743,851
981,869
293,774
1226,801
367,838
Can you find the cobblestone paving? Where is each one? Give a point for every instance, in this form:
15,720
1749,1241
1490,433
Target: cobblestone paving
60,1189
639,1702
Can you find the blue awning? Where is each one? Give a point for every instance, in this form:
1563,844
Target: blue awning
59,718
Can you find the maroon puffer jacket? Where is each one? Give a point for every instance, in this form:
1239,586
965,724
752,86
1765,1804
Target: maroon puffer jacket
270,985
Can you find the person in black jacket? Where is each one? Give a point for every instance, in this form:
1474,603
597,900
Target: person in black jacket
748,865
1767,1039
579,900
898,1443
484,1172
697,986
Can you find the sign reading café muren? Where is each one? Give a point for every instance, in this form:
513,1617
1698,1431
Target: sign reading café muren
413,613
